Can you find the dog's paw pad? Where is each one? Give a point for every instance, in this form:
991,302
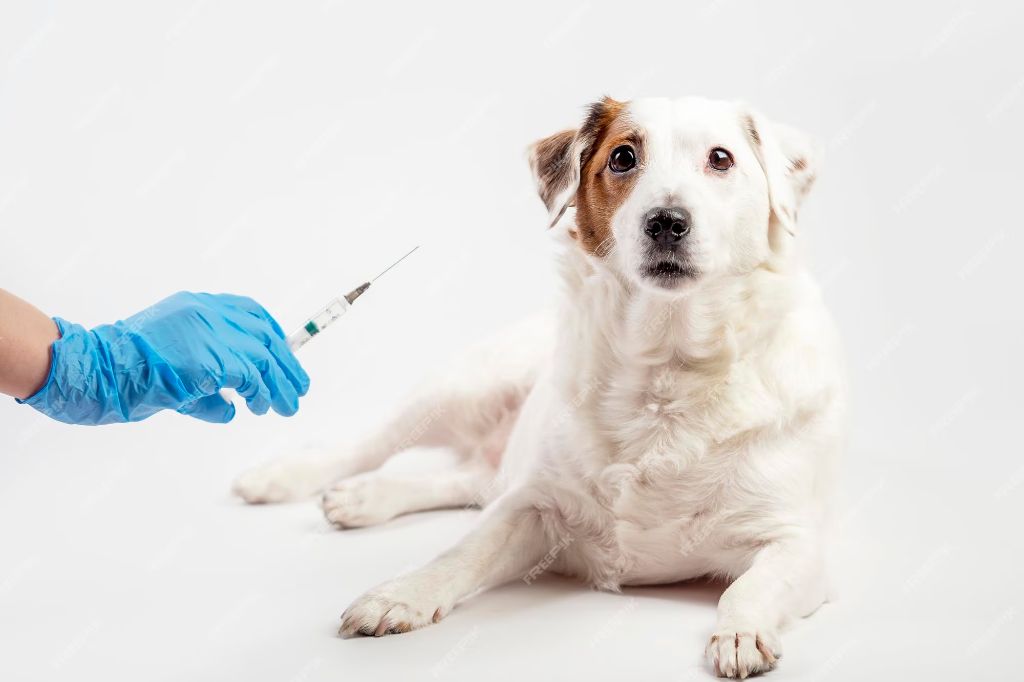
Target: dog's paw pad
739,654
356,503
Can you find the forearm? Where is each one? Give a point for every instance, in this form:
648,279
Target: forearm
26,335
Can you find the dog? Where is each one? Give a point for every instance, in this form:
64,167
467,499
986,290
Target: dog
681,417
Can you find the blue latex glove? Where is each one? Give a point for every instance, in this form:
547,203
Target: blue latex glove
174,355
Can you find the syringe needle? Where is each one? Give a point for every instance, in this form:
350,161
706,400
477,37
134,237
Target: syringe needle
333,311
395,263
358,291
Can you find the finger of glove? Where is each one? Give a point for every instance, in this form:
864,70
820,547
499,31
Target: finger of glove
247,380
264,329
289,365
212,408
284,397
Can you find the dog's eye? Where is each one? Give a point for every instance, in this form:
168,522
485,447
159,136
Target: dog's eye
622,159
720,159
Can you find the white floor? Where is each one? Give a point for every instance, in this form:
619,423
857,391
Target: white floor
125,559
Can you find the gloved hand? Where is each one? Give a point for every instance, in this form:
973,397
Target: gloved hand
174,355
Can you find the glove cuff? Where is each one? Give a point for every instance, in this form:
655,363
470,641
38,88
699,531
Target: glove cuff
77,390
62,326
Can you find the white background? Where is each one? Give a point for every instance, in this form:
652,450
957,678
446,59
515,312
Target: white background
288,151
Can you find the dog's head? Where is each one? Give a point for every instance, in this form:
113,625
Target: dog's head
671,193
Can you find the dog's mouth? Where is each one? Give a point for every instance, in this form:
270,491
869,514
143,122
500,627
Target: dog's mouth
669,272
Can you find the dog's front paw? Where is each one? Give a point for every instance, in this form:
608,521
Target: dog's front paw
391,609
741,653
283,480
358,502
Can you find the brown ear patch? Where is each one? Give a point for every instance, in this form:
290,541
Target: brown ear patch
801,176
552,165
751,128
601,192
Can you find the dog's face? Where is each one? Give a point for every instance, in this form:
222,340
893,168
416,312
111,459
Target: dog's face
671,193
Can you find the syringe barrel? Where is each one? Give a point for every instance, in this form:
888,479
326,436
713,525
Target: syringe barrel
314,325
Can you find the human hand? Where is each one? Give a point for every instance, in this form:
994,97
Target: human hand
174,355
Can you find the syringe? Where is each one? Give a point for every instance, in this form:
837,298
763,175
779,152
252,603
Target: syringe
326,317
333,310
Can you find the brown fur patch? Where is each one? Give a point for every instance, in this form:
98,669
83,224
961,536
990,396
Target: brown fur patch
601,192
802,176
748,124
551,164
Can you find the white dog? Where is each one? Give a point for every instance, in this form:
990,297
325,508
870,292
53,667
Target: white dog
680,420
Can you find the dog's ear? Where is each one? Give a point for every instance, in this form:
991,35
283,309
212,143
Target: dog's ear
790,161
558,160
556,171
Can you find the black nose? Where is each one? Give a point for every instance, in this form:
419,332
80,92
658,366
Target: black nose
667,226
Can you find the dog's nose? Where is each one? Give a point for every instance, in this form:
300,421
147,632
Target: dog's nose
667,226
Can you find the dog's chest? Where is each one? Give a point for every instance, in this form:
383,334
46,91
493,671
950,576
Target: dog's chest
670,415
667,461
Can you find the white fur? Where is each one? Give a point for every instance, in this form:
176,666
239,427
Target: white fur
664,434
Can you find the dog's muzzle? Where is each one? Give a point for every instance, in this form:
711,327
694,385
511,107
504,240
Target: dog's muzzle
668,261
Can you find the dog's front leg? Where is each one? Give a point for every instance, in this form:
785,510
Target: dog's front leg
504,546
785,581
